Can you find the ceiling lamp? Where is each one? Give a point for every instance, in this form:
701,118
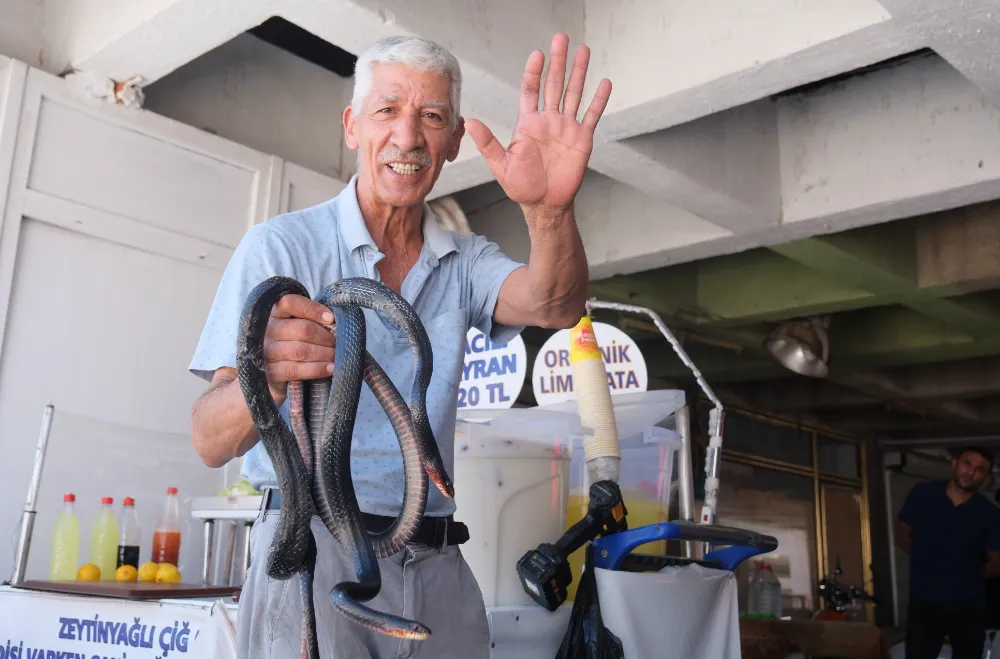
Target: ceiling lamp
801,346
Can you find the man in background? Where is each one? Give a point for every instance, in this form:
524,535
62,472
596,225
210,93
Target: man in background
952,534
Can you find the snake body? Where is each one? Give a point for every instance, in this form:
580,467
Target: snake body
311,455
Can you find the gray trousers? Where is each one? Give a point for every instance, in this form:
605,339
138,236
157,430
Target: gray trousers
426,584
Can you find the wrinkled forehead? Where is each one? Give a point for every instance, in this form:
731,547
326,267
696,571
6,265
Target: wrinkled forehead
397,83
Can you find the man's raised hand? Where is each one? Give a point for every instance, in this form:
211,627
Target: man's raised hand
543,166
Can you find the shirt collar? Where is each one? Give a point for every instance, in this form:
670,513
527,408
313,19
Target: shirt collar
355,233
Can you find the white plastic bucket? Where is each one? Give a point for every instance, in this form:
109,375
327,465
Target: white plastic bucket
511,493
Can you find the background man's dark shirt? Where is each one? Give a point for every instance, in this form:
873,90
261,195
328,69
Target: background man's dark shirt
949,543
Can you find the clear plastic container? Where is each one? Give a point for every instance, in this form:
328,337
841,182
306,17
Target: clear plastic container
765,592
167,536
645,479
65,542
131,536
104,541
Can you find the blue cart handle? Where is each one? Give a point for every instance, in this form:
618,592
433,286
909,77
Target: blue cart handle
611,550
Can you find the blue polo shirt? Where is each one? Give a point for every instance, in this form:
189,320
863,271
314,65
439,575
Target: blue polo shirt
453,286
948,549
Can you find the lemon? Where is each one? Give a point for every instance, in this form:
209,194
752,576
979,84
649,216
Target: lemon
126,573
147,571
168,573
88,572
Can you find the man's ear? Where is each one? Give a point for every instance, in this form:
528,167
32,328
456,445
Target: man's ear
349,125
456,140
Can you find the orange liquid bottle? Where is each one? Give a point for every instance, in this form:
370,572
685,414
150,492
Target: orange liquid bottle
167,536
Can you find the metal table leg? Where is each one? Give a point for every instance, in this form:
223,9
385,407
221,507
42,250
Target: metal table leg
227,570
206,569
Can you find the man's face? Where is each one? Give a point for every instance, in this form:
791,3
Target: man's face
970,470
403,134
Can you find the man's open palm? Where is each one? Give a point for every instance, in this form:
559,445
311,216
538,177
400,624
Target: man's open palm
544,164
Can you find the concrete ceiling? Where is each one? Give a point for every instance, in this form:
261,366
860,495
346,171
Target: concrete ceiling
702,150
912,306
741,142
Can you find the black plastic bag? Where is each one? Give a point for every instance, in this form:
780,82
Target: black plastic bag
587,637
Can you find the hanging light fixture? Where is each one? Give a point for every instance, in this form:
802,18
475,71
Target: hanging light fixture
801,346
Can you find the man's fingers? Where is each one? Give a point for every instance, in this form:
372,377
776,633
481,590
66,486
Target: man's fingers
298,306
297,351
282,372
597,105
488,145
556,76
531,81
574,91
296,329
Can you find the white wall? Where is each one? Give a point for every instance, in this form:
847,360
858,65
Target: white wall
21,27
256,94
114,231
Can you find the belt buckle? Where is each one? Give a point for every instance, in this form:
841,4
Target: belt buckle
265,501
441,523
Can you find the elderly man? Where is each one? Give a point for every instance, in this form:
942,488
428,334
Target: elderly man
404,121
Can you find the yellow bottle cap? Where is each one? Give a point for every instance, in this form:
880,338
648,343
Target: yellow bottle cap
583,342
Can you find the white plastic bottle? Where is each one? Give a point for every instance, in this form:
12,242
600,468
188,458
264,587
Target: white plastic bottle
104,541
753,588
770,589
764,597
65,542
131,536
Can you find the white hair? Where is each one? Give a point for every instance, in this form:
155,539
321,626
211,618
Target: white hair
415,52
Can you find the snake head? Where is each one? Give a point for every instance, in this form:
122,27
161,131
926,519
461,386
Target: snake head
413,631
443,483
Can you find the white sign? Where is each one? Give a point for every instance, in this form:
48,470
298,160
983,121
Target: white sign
493,374
46,625
552,373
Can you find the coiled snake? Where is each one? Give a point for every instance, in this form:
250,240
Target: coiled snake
312,457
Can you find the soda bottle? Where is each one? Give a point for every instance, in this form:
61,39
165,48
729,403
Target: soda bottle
128,544
167,536
65,542
104,540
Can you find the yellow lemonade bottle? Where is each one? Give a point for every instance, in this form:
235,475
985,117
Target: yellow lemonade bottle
65,542
104,541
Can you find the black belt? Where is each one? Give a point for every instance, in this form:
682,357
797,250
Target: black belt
433,531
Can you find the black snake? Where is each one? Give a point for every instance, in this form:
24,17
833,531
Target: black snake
312,457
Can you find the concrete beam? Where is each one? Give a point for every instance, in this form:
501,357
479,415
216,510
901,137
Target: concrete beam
716,56
910,139
883,260
723,168
622,227
945,381
960,248
119,39
967,38
888,421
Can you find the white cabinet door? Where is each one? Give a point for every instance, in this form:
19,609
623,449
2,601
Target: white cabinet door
115,230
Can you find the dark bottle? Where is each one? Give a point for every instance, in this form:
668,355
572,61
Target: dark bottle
128,544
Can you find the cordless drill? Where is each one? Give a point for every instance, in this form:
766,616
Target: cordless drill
544,572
